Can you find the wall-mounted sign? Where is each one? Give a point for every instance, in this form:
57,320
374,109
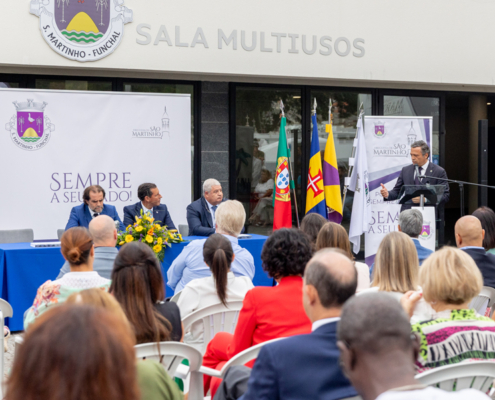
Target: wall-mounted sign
82,30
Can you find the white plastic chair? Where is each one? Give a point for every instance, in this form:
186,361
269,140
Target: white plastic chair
467,375
240,359
5,311
486,298
184,230
216,318
175,297
170,355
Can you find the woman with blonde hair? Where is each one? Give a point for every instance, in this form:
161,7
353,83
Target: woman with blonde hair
396,264
334,235
450,279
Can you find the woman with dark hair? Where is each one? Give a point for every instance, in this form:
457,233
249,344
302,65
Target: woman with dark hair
221,287
75,353
311,225
137,284
487,218
334,235
77,249
153,381
268,312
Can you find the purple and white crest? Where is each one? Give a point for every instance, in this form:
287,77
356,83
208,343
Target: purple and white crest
426,231
82,21
379,130
29,128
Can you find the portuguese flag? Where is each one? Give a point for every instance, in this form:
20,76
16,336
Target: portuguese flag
282,215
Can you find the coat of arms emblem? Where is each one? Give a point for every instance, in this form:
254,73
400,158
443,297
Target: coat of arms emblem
82,30
30,128
426,231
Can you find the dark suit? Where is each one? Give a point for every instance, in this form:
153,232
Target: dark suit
199,218
160,214
406,177
300,367
485,262
80,216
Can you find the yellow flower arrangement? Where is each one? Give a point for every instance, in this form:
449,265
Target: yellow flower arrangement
154,235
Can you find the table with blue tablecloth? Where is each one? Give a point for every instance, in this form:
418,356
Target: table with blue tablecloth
23,269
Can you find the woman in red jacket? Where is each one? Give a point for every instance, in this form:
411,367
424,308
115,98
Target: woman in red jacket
267,312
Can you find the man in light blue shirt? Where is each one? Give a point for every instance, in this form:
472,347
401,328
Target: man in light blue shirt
229,221
411,223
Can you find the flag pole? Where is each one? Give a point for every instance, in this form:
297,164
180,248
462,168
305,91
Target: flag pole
291,183
361,115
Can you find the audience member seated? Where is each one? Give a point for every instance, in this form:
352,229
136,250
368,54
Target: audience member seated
307,366
378,352
190,263
263,192
77,249
221,287
268,312
450,280
333,235
201,214
411,223
311,225
92,207
154,382
137,284
469,237
396,271
487,219
102,230
75,352
149,203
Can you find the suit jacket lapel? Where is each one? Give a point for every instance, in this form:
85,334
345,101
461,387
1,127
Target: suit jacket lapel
87,214
208,212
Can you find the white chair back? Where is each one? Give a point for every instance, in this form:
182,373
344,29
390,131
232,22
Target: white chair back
216,318
184,229
5,311
175,297
240,359
170,355
477,375
485,299
17,236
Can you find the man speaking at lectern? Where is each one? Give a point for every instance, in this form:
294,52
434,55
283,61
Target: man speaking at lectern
414,174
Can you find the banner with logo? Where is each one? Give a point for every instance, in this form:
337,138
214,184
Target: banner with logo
56,143
388,144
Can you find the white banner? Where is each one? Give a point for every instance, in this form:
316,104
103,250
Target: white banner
56,143
388,144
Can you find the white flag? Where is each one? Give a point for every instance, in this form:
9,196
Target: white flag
361,207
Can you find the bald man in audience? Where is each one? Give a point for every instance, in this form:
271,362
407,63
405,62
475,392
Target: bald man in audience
469,237
307,366
378,352
102,229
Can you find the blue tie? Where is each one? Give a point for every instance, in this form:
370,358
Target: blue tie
214,208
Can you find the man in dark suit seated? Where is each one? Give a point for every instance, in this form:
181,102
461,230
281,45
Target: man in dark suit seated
150,198
201,213
420,153
469,237
93,206
411,223
307,366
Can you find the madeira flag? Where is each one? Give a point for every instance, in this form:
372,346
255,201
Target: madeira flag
331,180
315,193
282,214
